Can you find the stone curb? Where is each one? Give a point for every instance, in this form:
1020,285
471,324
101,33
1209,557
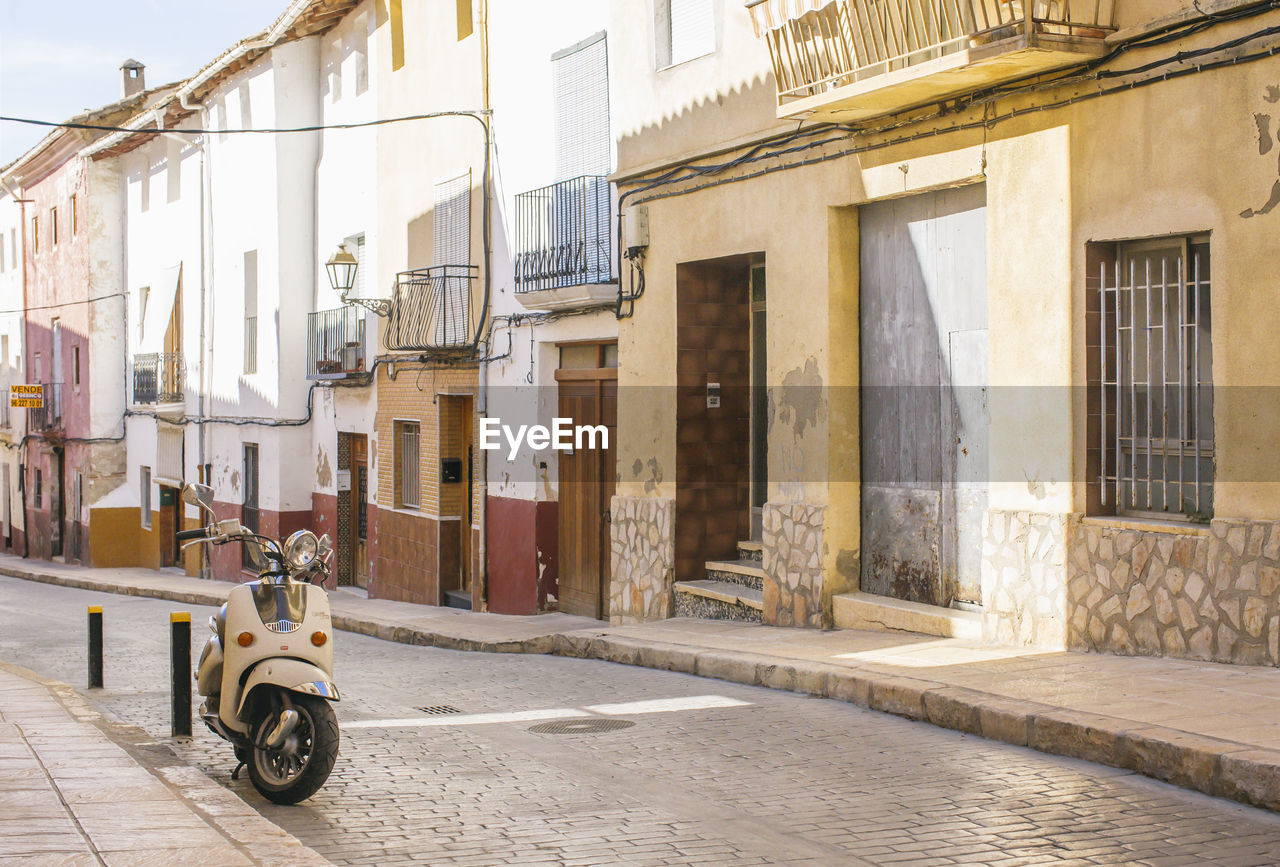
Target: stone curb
1222,768
243,827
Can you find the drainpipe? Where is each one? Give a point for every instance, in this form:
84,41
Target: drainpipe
482,553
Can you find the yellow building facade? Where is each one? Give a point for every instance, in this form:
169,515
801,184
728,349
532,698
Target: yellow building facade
960,339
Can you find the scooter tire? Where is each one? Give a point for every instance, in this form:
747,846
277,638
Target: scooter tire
319,715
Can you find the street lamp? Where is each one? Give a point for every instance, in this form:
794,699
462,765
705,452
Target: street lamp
342,270
342,277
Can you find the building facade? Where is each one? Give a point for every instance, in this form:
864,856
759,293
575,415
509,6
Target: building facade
944,331
75,319
13,421
555,333
434,201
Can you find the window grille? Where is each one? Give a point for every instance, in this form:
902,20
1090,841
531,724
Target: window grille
1155,395
451,241
408,471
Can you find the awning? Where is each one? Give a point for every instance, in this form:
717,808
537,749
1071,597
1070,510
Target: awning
769,15
155,321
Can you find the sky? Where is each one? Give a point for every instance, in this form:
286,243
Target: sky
58,57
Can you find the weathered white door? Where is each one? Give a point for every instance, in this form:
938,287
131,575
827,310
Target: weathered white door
924,397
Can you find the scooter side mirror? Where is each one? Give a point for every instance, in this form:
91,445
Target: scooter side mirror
325,546
198,495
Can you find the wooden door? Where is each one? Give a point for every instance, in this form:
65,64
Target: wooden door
923,308
170,524
588,479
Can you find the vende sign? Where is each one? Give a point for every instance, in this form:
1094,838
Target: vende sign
29,396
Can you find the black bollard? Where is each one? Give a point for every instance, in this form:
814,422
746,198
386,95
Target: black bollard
95,647
180,671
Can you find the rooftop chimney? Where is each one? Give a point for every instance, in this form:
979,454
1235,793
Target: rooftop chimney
131,78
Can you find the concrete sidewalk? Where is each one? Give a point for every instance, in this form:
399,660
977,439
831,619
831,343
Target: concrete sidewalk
1210,727
72,794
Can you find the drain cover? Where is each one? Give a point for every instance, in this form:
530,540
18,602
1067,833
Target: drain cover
438,709
581,726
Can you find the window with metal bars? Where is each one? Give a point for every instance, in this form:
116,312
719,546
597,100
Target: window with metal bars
451,241
1151,427
407,468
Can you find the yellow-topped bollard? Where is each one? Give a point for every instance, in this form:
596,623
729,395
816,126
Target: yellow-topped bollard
180,671
95,647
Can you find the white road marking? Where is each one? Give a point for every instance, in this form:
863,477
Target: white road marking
666,705
660,705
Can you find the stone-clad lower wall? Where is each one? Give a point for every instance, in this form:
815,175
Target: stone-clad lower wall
642,556
1209,595
792,549
1024,579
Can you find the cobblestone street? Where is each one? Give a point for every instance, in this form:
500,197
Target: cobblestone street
772,778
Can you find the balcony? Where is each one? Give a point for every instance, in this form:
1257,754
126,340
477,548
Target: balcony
158,378
564,244
335,343
844,60
49,416
432,311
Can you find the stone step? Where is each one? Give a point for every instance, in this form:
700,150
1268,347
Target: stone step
749,550
885,614
718,600
457,599
748,573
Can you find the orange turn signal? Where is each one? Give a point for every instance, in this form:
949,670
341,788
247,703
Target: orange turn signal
319,638
244,639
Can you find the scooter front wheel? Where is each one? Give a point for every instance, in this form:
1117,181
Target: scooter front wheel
296,770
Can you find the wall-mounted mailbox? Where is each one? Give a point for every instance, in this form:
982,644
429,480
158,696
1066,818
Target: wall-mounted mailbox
344,481
450,470
713,395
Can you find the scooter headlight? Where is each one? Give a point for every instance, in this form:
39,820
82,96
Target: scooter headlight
300,549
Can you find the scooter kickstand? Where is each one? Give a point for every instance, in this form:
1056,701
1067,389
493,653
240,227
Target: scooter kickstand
235,775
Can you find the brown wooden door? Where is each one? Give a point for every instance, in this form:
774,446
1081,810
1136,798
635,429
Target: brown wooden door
587,481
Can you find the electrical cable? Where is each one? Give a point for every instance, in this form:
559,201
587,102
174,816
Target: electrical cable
102,127
64,304
757,154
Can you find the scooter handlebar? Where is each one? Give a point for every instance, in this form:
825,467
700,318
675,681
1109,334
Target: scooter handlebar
192,535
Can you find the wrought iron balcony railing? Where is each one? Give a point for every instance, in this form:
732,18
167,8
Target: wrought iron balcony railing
432,310
820,49
158,377
564,235
335,343
49,416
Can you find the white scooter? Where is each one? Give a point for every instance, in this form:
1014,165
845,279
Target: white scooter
266,673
